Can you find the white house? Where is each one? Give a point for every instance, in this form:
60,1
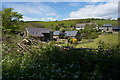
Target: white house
82,25
106,28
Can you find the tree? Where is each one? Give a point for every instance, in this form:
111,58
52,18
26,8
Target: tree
118,18
57,28
10,19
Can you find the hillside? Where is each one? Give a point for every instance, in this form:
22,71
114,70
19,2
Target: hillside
68,23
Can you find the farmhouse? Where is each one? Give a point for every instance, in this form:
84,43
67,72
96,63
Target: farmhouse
106,28
116,29
43,34
81,26
72,34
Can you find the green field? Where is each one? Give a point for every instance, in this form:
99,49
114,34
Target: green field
53,24
110,40
102,22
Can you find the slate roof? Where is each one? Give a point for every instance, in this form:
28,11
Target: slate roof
67,33
71,33
84,24
80,25
115,27
38,31
56,33
107,25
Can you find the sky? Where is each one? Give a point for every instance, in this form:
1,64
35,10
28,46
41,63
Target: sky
51,11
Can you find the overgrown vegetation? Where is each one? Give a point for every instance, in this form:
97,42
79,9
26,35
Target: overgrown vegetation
89,32
47,61
38,60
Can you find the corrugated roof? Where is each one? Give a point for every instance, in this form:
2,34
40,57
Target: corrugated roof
37,31
107,25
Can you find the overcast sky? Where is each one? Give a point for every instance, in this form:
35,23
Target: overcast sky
50,11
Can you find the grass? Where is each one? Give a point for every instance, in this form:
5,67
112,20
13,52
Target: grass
53,24
102,22
111,40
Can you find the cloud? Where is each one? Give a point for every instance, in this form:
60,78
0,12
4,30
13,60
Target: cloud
25,18
74,4
34,11
96,11
30,8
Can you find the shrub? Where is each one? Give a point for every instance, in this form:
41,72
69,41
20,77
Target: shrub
73,40
51,62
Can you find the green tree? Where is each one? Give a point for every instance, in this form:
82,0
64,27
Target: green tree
10,19
57,27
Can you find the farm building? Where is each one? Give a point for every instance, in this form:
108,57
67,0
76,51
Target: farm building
82,25
116,29
56,34
72,34
43,34
106,28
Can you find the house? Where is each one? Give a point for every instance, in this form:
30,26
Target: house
66,34
116,29
81,26
106,28
56,34
73,34
43,34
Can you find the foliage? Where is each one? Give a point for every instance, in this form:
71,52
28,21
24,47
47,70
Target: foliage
89,32
10,19
73,40
47,61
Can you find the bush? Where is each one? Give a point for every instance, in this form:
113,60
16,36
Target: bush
73,40
93,35
51,62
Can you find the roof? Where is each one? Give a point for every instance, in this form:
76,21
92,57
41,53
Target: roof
102,27
56,33
107,25
67,33
80,25
115,27
71,33
36,34
84,24
38,31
